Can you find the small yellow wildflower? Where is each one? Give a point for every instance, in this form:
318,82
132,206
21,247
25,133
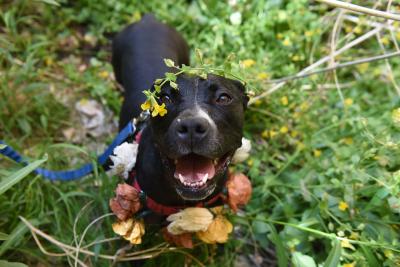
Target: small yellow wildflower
317,153
358,30
262,76
348,28
388,253
300,146
296,58
287,42
385,40
348,102
309,33
257,103
353,264
272,133
103,74
48,61
265,134
247,63
159,110
279,36
294,133
354,235
362,68
396,116
250,162
304,106
146,105
284,130
343,206
284,101
346,244
347,140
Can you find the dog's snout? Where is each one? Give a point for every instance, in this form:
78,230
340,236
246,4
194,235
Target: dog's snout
192,129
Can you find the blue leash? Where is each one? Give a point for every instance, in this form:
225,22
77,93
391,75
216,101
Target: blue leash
86,169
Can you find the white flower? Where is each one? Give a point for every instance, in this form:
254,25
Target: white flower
232,2
236,18
124,159
243,152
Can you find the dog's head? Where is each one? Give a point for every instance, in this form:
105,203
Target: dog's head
200,132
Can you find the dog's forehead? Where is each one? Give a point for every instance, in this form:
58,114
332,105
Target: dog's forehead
195,86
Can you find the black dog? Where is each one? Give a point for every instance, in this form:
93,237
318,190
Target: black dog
183,156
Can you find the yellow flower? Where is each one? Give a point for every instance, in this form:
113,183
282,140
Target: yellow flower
284,130
317,153
362,68
287,42
343,206
304,106
103,74
284,100
217,232
159,110
296,58
146,105
385,40
294,133
257,103
309,33
396,116
48,61
346,244
300,146
279,36
264,134
272,133
131,230
250,162
353,264
358,30
189,220
347,140
247,63
348,102
388,253
262,76
354,235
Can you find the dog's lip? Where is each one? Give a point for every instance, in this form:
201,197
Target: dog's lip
196,171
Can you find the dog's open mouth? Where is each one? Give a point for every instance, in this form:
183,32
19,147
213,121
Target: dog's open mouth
195,175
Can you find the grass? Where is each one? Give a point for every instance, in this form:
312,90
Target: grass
324,167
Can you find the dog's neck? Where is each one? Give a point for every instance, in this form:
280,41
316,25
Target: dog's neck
152,176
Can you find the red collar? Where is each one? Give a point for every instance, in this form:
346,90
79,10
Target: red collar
168,210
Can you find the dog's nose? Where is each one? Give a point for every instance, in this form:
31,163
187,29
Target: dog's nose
192,129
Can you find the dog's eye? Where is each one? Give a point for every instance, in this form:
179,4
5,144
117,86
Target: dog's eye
165,99
224,99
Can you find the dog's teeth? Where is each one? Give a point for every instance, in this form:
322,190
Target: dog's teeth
215,161
181,178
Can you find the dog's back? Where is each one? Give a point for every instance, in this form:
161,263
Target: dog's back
137,59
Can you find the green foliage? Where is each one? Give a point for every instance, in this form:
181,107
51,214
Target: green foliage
325,171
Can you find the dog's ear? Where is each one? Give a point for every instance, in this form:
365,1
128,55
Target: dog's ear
238,84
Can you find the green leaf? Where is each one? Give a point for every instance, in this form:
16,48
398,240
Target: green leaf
173,85
301,260
169,62
170,76
16,236
370,257
260,227
199,55
2,146
158,81
334,256
4,263
17,176
157,88
280,248
3,236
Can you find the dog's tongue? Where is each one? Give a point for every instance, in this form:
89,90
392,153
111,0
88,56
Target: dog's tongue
193,168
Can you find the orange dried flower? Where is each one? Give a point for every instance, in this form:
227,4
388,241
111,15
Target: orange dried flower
181,240
239,190
126,203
